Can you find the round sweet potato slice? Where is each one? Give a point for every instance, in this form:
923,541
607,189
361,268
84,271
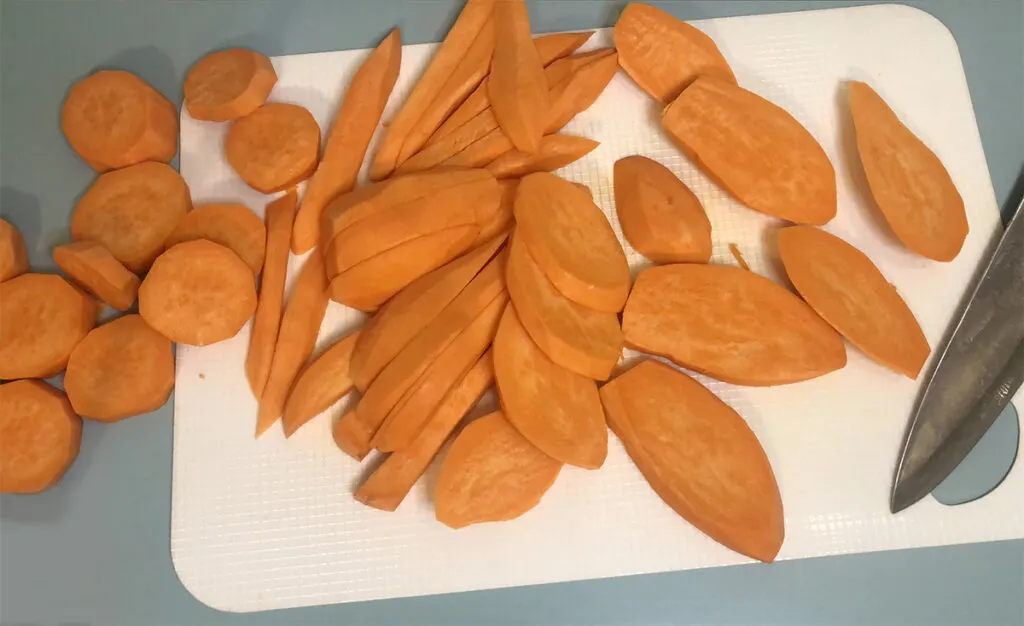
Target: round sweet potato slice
274,147
227,84
40,434
13,257
232,225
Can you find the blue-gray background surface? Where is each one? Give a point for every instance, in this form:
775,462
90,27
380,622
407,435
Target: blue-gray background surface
95,550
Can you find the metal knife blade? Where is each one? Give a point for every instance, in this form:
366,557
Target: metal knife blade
977,373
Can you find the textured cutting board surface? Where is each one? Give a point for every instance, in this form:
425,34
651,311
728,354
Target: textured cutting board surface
264,524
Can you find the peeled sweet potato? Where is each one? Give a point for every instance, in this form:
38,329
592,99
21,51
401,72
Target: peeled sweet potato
517,86
13,258
322,382
700,457
351,435
729,324
553,152
580,90
41,436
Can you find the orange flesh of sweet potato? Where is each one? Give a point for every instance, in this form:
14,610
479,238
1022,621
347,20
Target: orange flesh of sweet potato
501,220
275,147
483,125
491,474
322,383
231,225
580,90
578,338
41,436
482,151
132,212
572,242
92,266
908,182
557,410
659,215
401,319
13,257
121,369
42,319
280,214
700,457
730,324
391,482
663,54
754,149
351,436
198,293
846,289
553,152
354,124
227,84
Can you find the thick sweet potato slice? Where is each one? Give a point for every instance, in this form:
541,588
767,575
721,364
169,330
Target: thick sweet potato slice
572,242
730,324
501,220
580,90
659,215
756,150
92,266
663,54
391,482
842,284
13,257
700,457
228,84
557,410
517,86
553,152
231,225
322,383
908,182
491,474
275,147
41,436
576,337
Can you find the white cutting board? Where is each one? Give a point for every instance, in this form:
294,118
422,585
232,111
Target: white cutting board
272,523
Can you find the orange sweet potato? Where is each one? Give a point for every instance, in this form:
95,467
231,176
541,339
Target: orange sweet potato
274,147
909,183
553,152
578,338
501,219
481,126
351,435
92,266
756,150
730,324
13,258
41,436
491,474
700,457
391,482
232,225
557,410
228,84
842,284
322,383
659,215
580,90
482,151
663,54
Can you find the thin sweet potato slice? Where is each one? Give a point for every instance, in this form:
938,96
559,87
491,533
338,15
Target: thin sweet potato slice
517,87
92,266
754,149
351,435
700,457
391,482
846,289
580,90
354,125
41,435
275,147
908,182
482,151
481,126
730,324
663,54
228,84
553,152
578,338
13,257
232,225
121,369
322,383
491,474
500,221
659,215
557,410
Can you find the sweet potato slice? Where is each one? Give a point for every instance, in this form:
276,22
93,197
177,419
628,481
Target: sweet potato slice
228,84
41,436
322,383
406,420
354,125
501,219
371,283
92,266
275,147
557,410
572,242
517,87
846,289
908,182
663,54
730,324
391,482
121,369
700,457
576,337
491,474
42,319
13,257
754,149
411,310
553,152
482,151
132,212
232,225
580,90
483,125
198,293
659,215
114,119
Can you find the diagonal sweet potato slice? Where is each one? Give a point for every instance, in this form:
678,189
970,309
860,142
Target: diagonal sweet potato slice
553,152
517,86
324,381
580,90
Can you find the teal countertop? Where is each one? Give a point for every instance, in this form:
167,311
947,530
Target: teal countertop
95,549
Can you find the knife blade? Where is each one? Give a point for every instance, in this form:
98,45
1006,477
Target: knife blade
977,373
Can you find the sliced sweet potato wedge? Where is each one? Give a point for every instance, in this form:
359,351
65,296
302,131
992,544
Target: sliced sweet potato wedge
553,152
483,125
842,284
482,151
351,436
517,86
754,149
580,90
93,267
322,383
730,324
908,182
13,257
700,457
491,474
